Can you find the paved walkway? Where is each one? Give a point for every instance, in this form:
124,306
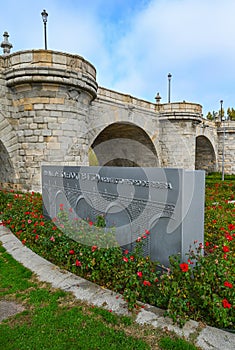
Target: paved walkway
208,338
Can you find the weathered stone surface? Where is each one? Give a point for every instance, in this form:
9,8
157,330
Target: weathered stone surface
48,93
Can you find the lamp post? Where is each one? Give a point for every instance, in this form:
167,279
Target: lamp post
44,18
221,112
221,109
169,87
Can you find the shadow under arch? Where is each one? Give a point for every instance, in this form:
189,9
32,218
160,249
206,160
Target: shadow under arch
7,172
205,157
124,144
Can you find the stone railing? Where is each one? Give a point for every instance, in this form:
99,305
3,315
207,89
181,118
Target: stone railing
118,97
46,66
180,110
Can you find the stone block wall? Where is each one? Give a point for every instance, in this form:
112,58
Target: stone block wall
52,112
226,146
47,95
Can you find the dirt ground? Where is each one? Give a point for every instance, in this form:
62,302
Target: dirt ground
9,308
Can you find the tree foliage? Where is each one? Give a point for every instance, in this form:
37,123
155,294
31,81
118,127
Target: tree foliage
231,113
217,115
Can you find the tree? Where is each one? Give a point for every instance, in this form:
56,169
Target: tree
231,113
211,116
214,115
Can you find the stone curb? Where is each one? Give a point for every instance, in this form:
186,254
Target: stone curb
208,338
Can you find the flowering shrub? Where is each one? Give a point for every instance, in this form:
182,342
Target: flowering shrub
201,288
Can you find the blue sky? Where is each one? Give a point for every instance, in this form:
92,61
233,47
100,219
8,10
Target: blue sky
134,44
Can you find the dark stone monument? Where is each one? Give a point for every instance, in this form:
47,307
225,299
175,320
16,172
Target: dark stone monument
167,202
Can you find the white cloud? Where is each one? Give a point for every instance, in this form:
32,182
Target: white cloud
134,44
190,38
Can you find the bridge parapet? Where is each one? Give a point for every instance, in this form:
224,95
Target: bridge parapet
120,98
49,67
180,110
227,126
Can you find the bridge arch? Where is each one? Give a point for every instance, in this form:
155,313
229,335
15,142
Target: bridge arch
124,144
205,156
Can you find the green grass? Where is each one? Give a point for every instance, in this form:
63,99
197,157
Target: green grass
168,343
55,320
13,276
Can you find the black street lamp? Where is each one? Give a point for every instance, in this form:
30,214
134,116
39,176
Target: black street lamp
221,109
169,87
44,18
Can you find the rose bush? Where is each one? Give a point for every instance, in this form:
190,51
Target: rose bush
201,288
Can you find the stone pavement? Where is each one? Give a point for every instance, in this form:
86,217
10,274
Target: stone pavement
208,338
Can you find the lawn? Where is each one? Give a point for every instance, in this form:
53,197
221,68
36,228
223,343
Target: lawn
203,291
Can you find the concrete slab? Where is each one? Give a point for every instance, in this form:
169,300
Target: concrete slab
216,339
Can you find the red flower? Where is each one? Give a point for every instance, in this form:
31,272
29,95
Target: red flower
184,267
132,258
93,248
139,274
126,252
146,283
36,237
90,223
138,239
147,232
207,244
52,239
78,263
42,223
225,249
228,237
228,284
23,241
226,304
231,227
125,259
71,252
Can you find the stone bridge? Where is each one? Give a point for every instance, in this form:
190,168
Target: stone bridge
53,112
